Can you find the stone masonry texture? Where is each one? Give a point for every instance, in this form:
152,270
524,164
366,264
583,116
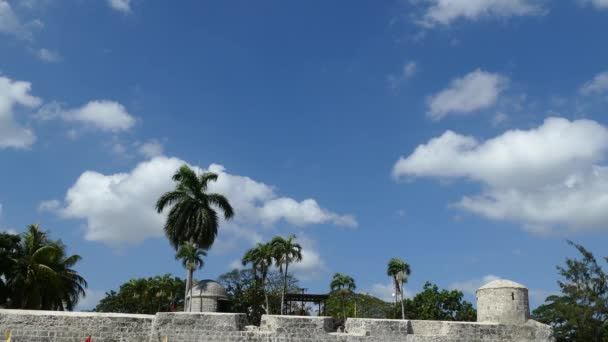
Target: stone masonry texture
46,326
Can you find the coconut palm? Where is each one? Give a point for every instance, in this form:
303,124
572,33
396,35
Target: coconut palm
41,275
285,251
399,271
193,217
344,285
260,257
192,259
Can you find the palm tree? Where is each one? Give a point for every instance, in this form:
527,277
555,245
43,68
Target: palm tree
399,271
285,251
343,284
41,275
192,259
192,217
260,257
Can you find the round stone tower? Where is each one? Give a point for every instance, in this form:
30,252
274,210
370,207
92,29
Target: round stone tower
504,302
206,296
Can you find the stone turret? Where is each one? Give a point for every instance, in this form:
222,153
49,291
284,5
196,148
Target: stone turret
206,296
504,302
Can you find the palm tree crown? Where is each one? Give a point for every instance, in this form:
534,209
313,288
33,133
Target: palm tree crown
260,257
192,216
191,256
40,275
285,252
399,271
342,282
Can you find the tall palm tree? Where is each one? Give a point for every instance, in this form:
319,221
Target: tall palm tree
399,271
192,259
41,275
192,217
285,251
260,257
344,285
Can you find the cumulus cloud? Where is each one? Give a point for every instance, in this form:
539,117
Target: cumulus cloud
105,115
445,12
48,56
14,94
119,208
477,90
151,149
598,85
470,286
550,178
123,6
90,300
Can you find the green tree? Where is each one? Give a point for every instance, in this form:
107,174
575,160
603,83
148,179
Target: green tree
192,259
343,285
358,305
145,296
436,305
260,257
399,271
580,312
246,295
38,274
285,252
192,217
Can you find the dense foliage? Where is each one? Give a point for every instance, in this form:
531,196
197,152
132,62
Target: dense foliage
580,312
145,296
36,272
246,295
436,305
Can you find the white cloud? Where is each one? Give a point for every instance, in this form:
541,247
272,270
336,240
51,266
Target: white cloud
476,90
408,71
49,206
48,56
550,179
119,208
386,291
445,12
470,286
598,85
312,264
105,115
10,23
151,149
120,5
13,94
601,4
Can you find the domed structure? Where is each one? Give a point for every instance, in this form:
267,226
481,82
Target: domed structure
206,295
503,301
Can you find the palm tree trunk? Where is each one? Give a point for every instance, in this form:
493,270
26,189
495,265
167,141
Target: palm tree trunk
266,295
284,286
402,304
188,286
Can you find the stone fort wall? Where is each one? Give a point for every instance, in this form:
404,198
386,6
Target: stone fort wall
46,326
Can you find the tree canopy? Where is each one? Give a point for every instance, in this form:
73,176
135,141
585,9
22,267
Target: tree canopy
145,296
580,312
37,273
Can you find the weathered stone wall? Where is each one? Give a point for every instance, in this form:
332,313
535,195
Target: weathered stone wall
47,326
44,326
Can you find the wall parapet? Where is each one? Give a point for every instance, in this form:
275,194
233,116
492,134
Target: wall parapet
51,326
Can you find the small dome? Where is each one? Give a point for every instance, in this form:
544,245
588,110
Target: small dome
209,288
501,284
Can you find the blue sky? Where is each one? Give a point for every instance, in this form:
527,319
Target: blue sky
467,137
